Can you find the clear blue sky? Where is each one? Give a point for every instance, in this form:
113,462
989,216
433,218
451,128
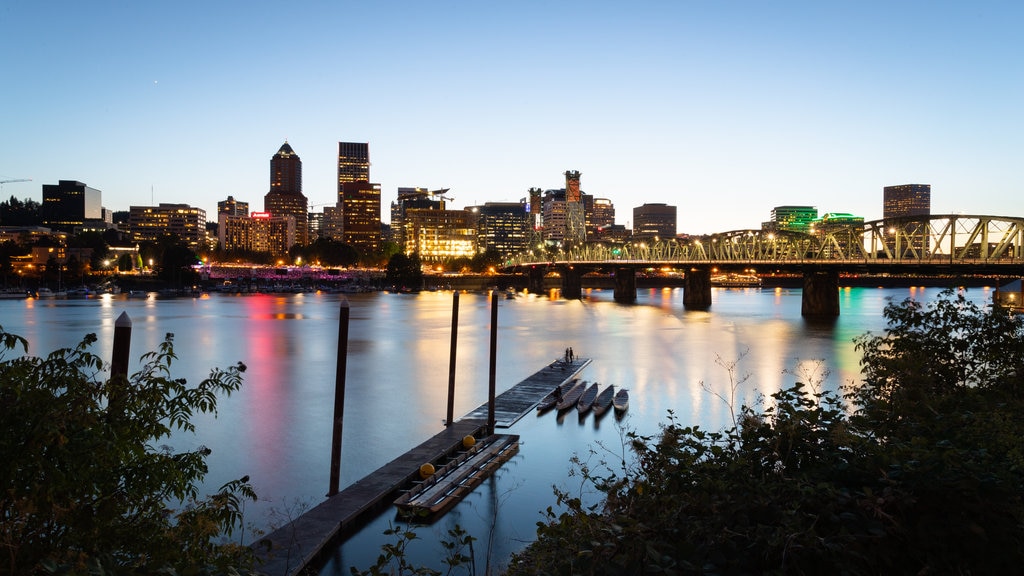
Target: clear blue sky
724,109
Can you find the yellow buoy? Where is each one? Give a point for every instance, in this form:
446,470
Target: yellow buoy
426,470
468,442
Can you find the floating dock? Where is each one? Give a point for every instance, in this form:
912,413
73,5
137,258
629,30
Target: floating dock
430,499
291,548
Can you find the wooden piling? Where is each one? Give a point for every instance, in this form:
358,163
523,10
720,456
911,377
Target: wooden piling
122,346
339,398
451,360
494,362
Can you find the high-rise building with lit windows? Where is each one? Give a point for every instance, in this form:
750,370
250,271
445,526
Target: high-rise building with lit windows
149,223
906,200
285,197
791,218
654,221
501,227
69,204
353,162
358,198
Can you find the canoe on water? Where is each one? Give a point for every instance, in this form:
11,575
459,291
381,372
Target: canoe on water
604,400
621,400
586,401
570,398
549,401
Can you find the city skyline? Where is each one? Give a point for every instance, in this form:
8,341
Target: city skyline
724,112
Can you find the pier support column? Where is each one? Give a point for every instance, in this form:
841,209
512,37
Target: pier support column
625,285
572,283
535,280
697,289
821,294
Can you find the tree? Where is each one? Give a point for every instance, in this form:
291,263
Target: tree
16,212
918,470
405,272
86,484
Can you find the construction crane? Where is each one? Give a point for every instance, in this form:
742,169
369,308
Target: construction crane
11,180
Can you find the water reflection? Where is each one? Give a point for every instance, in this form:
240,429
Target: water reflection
277,428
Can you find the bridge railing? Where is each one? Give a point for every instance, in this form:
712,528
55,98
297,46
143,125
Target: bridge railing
950,238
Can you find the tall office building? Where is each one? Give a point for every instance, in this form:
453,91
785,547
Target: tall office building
360,215
233,207
654,221
353,163
501,227
906,200
149,223
285,197
69,204
358,199
602,219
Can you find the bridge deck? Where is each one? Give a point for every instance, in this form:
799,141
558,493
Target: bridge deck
289,549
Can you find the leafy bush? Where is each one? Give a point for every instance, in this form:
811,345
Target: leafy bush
918,470
86,486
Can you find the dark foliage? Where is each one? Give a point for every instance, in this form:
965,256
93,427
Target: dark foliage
920,470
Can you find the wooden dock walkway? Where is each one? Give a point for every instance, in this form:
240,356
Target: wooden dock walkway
519,400
291,548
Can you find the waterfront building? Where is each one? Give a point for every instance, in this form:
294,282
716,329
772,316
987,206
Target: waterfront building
358,198
360,214
353,163
69,204
844,233
409,197
232,207
285,197
907,201
501,227
791,219
330,228
257,232
439,234
149,223
553,216
315,225
654,221
600,217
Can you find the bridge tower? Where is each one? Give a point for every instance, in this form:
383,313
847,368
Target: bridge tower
575,219
534,218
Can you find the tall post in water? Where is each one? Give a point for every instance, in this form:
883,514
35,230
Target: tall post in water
339,398
494,356
451,360
122,346
119,363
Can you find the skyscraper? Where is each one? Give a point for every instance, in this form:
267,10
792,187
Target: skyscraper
903,201
353,163
654,221
285,197
906,200
358,199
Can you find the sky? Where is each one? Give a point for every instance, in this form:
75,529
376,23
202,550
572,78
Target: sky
724,109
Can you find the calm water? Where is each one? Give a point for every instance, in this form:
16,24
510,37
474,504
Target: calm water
277,429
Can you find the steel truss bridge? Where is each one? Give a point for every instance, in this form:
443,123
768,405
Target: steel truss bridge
953,244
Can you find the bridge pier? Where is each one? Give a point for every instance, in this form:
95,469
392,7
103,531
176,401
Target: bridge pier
572,283
821,294
535,279
625,285
697,289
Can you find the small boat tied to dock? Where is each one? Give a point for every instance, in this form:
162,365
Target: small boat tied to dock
440,491
604,400
586,401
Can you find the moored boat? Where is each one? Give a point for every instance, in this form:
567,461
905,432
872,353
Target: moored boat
586,401
570,398
621,400
549,401
604,400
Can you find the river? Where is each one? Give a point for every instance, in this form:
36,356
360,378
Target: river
277,429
